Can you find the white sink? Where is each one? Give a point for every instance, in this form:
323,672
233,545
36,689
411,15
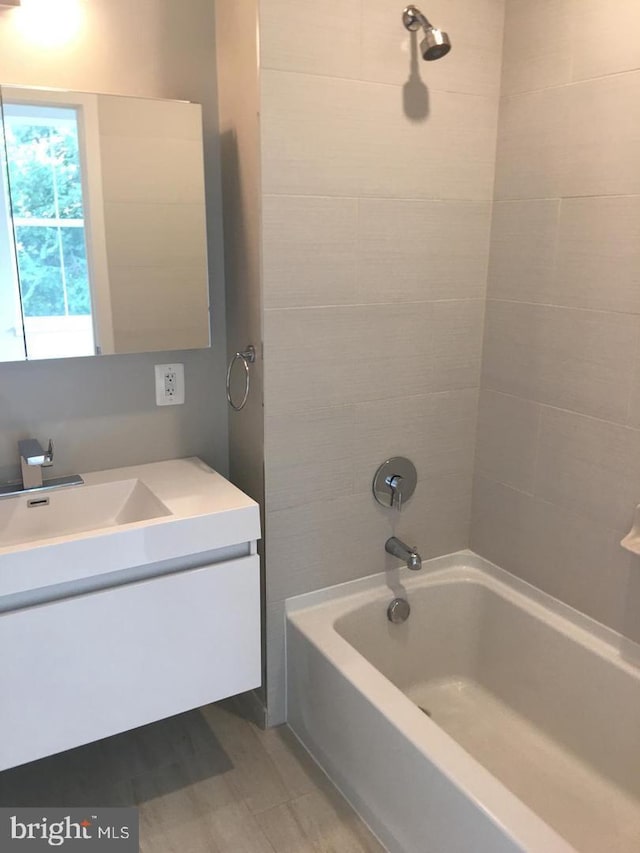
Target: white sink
35,516
128,599
121,521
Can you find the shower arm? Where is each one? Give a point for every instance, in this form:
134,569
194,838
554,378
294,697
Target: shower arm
413,19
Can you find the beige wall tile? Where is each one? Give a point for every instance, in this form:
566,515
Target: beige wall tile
507,439
501,529
445,344
630,589
579,360
472,66
311,134
436,520
605,38
590,466
523,249
320,544
323,39
449,155
537,45
602,147
411,251
309,254
322,454
309,455
311,359
599,254
333,541
532,132
376,353
634,406
562,552
321,357
322,136
565,235
435,431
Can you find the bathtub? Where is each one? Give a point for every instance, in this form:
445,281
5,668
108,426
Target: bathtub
496,719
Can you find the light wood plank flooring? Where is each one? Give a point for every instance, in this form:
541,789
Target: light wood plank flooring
205,782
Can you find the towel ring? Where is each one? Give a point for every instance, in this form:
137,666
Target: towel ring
247,357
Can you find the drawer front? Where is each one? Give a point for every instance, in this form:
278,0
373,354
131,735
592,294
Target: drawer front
84,668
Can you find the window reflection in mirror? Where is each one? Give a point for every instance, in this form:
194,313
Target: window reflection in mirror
102,225
12,346
45,178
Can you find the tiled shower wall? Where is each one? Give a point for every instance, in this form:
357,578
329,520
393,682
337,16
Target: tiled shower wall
558,458
377,179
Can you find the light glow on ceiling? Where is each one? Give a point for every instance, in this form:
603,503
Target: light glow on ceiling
50,23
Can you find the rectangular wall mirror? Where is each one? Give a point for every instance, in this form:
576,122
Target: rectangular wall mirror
102,225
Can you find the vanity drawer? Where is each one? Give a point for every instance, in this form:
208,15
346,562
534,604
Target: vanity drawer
84,668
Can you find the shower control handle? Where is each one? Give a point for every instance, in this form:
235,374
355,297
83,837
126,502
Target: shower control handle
395,484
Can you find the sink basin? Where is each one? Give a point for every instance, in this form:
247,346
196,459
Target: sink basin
121,520
35,516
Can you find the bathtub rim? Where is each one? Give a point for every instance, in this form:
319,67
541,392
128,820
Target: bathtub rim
315,615
468,567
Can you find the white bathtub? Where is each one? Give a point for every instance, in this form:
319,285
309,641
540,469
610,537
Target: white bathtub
534,739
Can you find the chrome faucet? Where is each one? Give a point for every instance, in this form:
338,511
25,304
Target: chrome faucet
33,458
397,548
395,482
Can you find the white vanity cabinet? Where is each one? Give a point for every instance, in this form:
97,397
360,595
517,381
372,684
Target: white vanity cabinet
90,650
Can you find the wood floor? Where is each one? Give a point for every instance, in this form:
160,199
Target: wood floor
205,782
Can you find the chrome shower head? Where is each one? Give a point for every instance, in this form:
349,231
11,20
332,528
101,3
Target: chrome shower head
435,43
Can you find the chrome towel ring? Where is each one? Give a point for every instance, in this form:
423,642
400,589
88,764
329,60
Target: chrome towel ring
247,357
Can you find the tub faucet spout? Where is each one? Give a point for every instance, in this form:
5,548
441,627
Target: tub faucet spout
397,548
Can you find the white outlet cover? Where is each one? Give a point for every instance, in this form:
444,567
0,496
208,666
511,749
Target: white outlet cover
169,384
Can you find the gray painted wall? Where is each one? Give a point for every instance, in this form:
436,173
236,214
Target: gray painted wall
101,411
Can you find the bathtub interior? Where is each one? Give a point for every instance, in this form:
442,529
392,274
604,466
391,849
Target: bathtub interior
551,713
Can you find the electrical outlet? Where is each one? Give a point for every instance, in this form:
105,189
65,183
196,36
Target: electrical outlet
169,384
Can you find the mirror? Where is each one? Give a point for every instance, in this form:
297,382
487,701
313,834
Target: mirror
102,225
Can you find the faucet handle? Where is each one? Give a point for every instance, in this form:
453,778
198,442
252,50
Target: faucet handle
395,485
48,457
395,482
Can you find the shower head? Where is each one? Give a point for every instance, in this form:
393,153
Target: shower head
435,43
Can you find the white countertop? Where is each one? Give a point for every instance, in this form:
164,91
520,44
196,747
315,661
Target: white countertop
207,513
